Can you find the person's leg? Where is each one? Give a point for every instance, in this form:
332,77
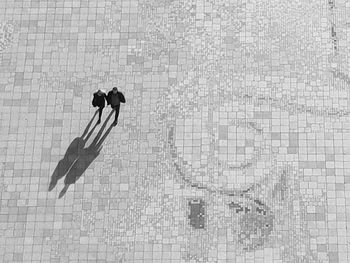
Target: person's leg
113,108
116,113
99,114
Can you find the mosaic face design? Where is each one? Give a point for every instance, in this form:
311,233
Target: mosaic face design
220,138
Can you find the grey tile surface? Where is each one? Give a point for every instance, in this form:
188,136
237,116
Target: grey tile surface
240,106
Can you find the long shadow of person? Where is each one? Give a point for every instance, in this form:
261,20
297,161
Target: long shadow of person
87,156
74,150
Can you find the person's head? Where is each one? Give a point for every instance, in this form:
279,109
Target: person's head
115,90
100,92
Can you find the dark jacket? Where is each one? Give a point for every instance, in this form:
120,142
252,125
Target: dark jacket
99,101
121,97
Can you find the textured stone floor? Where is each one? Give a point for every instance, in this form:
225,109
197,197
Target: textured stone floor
233,144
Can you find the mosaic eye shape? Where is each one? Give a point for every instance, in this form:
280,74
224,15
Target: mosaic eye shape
197,213
255,223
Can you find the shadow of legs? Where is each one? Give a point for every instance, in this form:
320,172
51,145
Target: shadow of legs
60,170
70,156
85,159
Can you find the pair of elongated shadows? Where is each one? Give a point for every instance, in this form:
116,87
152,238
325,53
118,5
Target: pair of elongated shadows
78,157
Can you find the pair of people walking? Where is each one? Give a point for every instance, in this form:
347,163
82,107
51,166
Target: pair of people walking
113,98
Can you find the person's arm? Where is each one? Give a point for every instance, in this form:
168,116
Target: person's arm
94,100
121,97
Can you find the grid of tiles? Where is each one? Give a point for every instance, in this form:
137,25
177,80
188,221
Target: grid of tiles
233,144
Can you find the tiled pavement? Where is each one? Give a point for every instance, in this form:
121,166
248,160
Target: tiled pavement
233,144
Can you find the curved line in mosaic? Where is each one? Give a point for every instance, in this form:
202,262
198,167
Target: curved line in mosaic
333,32
3,186
257,150
282,103
6,36
342,77
200,186
292,107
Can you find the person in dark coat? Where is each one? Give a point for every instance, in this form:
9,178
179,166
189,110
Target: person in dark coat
114,98
99,101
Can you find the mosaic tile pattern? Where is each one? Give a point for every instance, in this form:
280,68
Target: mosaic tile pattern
233,144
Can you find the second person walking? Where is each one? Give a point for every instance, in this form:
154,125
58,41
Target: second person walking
114,98
99,101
